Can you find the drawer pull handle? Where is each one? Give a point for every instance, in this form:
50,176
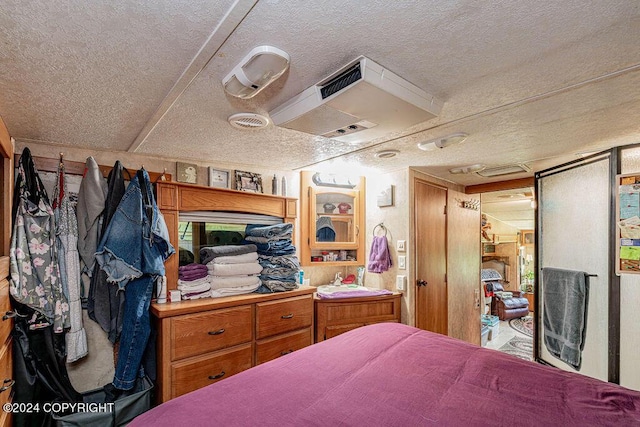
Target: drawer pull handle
7,384
215,377
287,316
218,332
282,353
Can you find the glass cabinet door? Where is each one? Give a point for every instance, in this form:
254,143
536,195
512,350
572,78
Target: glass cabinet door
333,221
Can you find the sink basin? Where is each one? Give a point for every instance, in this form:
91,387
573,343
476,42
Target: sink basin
327,289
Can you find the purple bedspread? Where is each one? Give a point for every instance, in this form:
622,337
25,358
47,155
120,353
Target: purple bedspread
391,374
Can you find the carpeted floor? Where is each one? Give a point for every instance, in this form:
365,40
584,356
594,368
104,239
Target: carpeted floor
523,325
521,347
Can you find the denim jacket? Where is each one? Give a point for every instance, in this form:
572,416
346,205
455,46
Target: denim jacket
130,247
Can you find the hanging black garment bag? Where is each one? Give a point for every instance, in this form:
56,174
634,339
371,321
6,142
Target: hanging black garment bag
39,369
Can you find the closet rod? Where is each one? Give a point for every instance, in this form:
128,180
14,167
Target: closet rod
45,164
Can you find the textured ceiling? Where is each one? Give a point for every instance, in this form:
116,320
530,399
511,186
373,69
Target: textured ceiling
530,82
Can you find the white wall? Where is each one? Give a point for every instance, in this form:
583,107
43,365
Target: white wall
396,220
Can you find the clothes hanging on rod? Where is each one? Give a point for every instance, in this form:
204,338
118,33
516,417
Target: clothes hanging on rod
42,311
69,265
33,265
105,304
91,199
132,252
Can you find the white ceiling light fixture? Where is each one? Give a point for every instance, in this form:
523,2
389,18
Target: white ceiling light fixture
248,121
257,70
386,154
467,169
445,141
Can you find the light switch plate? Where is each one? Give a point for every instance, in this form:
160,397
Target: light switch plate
402,262
400,245
400,282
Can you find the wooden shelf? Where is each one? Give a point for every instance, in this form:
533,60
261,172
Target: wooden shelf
348,227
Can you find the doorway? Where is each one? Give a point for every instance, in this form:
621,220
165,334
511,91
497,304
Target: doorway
508,237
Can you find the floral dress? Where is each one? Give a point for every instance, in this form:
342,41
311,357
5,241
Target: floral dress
33,266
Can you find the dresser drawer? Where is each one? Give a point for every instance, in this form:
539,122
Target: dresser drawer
276,317
200,371
5,373
195,334
272,348
6,323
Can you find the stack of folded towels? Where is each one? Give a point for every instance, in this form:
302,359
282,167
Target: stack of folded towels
276,255
232,269
193,281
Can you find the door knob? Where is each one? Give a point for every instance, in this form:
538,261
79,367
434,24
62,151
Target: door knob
422,283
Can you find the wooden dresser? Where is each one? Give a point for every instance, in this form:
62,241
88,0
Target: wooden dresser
335,316
6,324
204,341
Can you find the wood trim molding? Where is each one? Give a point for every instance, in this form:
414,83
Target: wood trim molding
501,185
6,147
46,164
6,184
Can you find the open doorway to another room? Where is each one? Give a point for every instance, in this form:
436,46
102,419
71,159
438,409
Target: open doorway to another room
508,270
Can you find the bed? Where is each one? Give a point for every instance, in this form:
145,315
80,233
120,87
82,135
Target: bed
391,374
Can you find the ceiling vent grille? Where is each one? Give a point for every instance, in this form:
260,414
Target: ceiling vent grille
504,170
248,121
341,81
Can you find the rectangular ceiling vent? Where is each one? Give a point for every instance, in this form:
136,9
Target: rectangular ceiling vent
341,81
357,103
504,170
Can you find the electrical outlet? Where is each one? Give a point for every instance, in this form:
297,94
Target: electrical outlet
401,246
401,280
402,262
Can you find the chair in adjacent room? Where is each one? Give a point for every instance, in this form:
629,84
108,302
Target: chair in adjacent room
504,304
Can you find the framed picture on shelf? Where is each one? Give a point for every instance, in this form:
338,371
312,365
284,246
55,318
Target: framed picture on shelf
489,249
186,172
248,181
385,197
219,178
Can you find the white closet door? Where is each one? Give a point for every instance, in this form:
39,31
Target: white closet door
573,234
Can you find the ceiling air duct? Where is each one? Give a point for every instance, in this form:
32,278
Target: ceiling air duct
503,170
359,102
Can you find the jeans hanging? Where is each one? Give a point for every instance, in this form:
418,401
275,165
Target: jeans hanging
132,253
